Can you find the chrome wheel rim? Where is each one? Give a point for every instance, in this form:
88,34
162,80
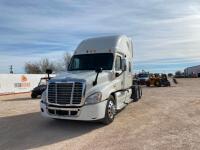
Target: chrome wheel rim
111,109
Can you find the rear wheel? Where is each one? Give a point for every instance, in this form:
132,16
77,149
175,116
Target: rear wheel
135,93
110,111
140,92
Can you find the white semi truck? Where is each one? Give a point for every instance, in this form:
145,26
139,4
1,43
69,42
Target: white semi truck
97,84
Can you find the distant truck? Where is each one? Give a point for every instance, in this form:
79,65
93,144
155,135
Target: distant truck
98,82
143,77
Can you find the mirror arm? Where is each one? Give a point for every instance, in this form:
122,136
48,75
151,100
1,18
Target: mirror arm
48,71
98,70
121,73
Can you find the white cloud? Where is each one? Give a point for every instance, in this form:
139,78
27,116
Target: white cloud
160,29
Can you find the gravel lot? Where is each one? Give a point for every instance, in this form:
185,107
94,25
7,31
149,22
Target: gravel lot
165,118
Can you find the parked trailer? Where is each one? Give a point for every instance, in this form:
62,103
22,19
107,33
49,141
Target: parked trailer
97,84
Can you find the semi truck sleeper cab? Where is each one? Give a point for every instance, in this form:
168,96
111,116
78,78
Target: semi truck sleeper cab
97,84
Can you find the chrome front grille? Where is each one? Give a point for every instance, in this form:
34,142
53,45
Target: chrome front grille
65,93
77,93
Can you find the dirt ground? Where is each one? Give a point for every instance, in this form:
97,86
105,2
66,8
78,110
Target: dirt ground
164,119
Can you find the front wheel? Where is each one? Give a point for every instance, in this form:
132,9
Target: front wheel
157,84
110,111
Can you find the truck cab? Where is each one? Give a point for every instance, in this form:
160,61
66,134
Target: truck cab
143,77
97,84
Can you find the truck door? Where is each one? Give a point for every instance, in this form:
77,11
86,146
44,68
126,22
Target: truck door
118,72
119,81
127,79
127,75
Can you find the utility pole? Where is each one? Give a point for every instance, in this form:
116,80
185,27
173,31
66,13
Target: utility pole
11,69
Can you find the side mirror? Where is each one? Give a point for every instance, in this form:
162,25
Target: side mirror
49,71
98,70
117,74
123,64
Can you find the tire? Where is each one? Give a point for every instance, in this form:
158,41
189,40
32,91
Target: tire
135,93
148,83
166,83
33,95
157,84
110,111
140,92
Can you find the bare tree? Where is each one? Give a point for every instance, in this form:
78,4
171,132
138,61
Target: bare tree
179,74
59,67
170,74
46,64
32,68
39,67
67,58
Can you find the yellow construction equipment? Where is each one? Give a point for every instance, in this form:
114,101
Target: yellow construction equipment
157,80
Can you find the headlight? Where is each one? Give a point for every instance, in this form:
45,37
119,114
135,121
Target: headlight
44,98
94,98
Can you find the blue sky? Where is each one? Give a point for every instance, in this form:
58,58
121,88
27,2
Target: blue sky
166,33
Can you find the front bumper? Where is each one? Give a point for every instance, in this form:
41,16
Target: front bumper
85,113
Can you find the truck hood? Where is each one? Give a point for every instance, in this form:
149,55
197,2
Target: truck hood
83,76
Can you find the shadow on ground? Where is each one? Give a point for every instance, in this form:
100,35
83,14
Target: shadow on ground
21,99
31,131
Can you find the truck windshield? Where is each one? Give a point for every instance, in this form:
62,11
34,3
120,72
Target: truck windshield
91,62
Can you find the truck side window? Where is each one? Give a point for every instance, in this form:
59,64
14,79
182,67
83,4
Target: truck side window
118,63
129,66
76,63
